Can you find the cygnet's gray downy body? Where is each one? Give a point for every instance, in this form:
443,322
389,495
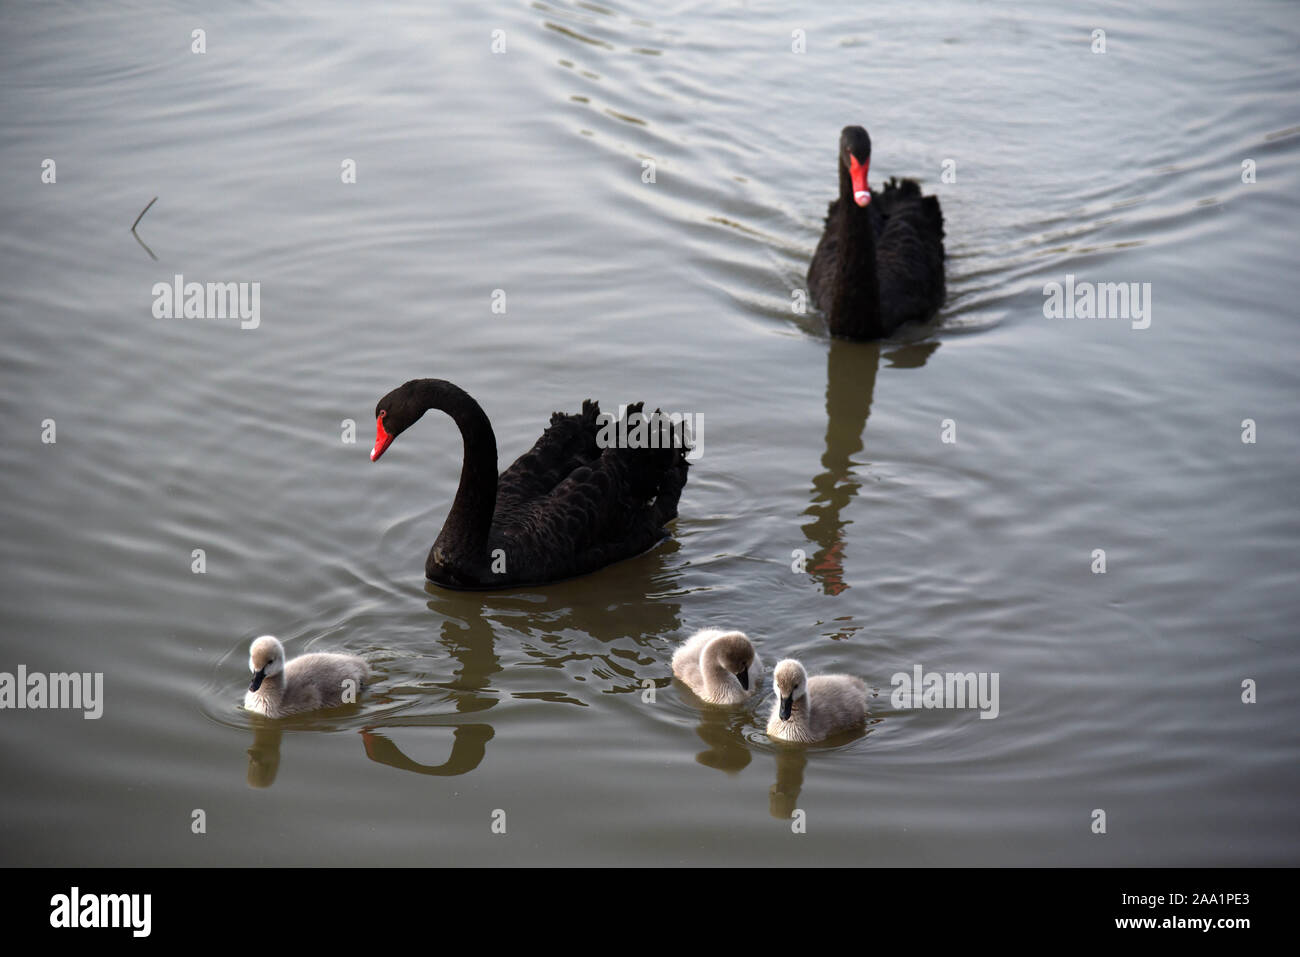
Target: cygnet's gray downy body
721,667
306,683
812,709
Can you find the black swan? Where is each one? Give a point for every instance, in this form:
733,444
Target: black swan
565,508
880,261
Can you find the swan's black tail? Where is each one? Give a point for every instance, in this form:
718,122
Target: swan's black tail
933,217
654,462
671,483
897,195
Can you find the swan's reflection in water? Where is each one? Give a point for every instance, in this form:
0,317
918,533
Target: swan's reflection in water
469,745
468,748
600,605
850,386
622,608
469,642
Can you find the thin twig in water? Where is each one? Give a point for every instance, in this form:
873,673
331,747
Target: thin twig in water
142,212
144,245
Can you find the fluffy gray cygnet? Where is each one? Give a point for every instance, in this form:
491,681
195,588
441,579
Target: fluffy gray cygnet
812,709
307,683
721,667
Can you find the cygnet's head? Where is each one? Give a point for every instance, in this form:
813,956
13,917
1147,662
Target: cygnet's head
735,653
265,660
791,682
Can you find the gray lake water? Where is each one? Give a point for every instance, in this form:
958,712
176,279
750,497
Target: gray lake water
522,171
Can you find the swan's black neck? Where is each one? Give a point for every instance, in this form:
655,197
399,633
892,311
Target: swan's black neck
854,311
846,186
464,535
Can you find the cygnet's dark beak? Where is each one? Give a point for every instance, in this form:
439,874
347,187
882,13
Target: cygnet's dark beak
743,676
786,705
257,680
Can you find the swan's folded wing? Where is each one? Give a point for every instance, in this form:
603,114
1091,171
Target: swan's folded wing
613,508
567,444
909,252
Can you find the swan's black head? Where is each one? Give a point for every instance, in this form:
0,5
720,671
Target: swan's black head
855,157
395,413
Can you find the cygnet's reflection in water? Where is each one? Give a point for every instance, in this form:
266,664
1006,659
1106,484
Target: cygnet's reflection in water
783,797
723,730
264,755
850,386
792,760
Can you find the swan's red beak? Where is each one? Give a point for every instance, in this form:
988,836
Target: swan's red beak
382,440
858,173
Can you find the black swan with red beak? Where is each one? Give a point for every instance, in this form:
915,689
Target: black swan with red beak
566,507
880,261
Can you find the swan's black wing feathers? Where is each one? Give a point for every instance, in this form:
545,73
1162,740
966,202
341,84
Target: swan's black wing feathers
567,444
909,252
612,504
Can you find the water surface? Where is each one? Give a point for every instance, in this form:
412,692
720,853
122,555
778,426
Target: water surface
522,171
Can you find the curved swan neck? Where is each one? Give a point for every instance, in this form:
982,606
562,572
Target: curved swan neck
846,185
466,530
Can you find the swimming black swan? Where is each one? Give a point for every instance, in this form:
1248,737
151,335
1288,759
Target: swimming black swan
880,261
565,508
